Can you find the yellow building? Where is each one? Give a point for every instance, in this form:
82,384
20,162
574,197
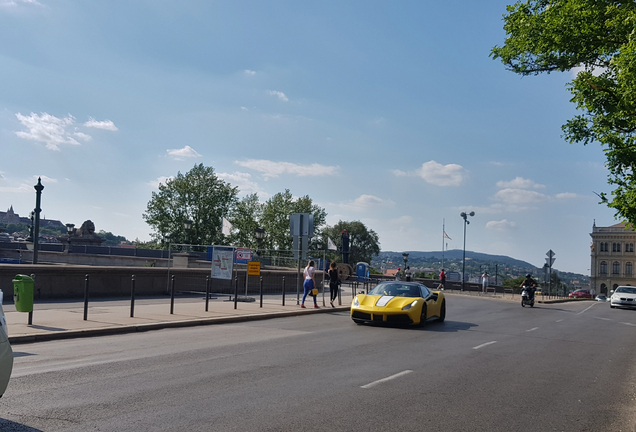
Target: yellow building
613,257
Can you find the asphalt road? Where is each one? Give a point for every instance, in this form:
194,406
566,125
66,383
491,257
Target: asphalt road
492,366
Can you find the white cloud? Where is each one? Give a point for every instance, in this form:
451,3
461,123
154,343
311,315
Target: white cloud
180,154
519,183
104,124
160,180
365,203
250,72
278,94
519,196
16,3
566,196
502,225
271,169
47,129
442,175
83,136
244,182
437,174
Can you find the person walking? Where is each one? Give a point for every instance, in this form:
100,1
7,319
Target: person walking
407,273
309,283
442,278
484,281
334,282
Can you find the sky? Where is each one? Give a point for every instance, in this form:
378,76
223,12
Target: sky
390,113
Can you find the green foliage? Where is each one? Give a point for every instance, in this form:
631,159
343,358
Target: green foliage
276,213
375,271
245,217
597,36
111,239
364,243
200,196
513,283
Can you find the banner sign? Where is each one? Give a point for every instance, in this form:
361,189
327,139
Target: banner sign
254,268
222,262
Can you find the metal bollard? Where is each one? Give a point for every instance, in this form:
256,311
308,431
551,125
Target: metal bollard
235,291
86,298
132,296
172,295
283,290
261,288
207,292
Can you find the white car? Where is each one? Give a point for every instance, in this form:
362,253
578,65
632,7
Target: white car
6,353
623,296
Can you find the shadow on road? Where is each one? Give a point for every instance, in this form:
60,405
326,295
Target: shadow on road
446,327
9,426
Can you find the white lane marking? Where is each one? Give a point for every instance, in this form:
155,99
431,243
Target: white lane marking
604,319
533,329
587,308
397,375
629,324
485,344
559,320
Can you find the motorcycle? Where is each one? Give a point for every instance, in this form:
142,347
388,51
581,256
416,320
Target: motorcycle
527,297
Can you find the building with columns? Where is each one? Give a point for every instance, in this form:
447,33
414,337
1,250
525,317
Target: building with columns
612,257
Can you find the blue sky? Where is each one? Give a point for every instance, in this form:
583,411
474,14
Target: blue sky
391,113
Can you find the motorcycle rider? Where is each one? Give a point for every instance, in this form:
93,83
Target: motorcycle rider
530,285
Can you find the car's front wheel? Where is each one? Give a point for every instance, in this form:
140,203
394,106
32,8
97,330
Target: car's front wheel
442,311
423,315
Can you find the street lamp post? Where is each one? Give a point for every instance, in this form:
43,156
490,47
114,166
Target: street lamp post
260,235
36,231
70,229
464,215
405,256
187,225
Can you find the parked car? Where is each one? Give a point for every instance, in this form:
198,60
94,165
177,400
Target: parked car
6,353
623,296
601,298
580,293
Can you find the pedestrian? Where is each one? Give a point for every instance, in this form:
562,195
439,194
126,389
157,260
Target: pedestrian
309,283
334,282
442,278
397,274
484,281
407,273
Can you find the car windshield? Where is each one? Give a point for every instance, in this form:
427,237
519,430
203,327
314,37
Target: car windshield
397,290
628,290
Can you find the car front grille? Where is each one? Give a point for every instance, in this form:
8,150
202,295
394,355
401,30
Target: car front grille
399,319
361,315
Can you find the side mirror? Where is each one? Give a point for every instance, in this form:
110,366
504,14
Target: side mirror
611,291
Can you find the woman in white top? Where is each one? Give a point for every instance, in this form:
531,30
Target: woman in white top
309,283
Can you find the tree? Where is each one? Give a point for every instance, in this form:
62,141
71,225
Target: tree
597,36
111,239
513,283
276,215
364,243
245,217
200,196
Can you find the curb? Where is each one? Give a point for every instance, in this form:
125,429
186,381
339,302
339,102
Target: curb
108,331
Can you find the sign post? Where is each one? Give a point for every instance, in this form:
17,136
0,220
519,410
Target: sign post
549,261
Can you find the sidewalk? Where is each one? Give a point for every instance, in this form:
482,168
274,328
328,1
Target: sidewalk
65,319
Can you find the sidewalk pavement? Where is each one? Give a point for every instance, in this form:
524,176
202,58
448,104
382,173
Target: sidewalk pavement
65,319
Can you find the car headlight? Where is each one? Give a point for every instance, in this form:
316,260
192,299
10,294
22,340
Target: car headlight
409,306
356,303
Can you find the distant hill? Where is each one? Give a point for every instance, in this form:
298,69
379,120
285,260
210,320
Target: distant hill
456,254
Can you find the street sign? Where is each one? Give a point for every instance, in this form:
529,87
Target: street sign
243,254
254,268
549,261
550,254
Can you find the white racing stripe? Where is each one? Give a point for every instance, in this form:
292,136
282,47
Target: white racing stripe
485,344
392,377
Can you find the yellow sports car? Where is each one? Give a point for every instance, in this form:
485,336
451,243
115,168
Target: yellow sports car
396,302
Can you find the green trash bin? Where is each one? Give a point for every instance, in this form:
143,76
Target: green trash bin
23,293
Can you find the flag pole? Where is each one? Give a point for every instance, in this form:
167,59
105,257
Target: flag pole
443,239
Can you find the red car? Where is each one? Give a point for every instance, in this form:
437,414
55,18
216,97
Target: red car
580,293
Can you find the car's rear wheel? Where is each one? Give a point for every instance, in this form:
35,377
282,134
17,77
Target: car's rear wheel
423,315
442,311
